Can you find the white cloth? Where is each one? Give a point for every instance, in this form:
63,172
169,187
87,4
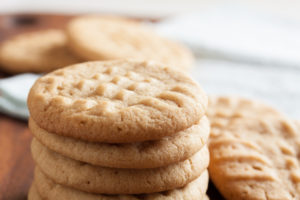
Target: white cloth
13,94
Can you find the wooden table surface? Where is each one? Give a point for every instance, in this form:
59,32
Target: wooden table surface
16,164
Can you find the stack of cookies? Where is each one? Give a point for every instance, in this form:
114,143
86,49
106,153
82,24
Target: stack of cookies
121,129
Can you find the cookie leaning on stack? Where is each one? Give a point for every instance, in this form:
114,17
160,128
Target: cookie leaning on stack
124,128
254,150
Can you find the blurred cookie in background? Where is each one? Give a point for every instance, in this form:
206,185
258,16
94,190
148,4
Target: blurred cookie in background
107,38
39,52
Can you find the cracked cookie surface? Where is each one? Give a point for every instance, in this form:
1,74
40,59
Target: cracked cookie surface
254,151
116,101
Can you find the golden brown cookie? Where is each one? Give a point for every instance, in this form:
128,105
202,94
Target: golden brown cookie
52,191
108,38
151,154
254,152
40,51
33,193
95,179
297,124
225,107
116,101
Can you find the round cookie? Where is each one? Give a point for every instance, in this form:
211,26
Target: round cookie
109,38
151,154
116,101
255,154
52,191
104,180
40,51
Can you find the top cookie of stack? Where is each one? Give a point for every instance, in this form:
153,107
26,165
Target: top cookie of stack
116,102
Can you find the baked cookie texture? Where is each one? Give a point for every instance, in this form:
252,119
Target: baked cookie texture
123,129
228,107
149,154
40,51
46,188
33,194
104,180
116,101
109,38
254,151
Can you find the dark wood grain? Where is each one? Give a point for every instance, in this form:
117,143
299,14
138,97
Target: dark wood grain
11,25
16,164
